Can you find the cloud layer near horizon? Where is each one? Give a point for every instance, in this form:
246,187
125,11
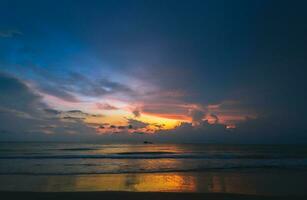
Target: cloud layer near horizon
24,117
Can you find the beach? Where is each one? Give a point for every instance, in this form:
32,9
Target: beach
270,182
138,196
153,99
156,171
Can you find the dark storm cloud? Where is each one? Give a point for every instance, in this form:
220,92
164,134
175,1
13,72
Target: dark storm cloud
197,115
256,60
203,132
24,117
15,95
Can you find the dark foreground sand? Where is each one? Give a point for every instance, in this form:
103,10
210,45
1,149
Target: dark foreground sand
136,196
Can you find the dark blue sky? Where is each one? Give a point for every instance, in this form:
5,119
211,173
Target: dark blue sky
172,62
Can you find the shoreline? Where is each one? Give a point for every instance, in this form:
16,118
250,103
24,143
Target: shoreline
250,182
188,171
139,195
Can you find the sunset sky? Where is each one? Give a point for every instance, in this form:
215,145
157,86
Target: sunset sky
204,71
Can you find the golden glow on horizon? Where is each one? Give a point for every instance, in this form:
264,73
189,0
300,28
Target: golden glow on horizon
121,117
155,120
174,113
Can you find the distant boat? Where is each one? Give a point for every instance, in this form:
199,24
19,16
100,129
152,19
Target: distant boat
147,142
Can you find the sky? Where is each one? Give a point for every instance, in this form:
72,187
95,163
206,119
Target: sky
168,71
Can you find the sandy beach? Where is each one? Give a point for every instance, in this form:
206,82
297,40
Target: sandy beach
137,195
240,182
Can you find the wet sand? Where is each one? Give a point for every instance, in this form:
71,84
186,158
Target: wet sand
138,196
270,182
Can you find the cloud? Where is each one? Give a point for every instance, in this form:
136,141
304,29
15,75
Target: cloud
52,111
23,116
14,112
15,95
273,128
173,110
60,92
105,106
78,114
133,126
215,118
197,115
9,33
71,86
185,132
136,112
81,84
136,124
70,115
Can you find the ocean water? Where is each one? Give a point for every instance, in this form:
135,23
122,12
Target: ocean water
87,159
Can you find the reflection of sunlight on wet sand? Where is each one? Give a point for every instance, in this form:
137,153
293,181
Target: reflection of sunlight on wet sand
262,183
176,182
140,182
100,183
170,182
229,182
158,182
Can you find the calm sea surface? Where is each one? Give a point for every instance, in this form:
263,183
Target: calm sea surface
252,169
71,159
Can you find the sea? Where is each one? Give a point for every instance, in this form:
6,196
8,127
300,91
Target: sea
152,167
